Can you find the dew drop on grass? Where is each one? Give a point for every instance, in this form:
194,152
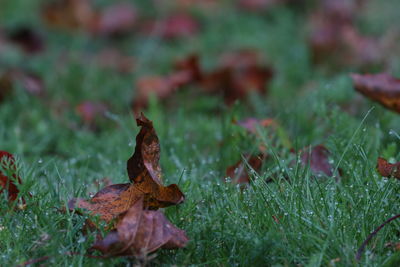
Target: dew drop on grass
40,161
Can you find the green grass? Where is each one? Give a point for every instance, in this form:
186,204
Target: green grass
320,220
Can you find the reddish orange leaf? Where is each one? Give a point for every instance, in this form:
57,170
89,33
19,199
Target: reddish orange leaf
139,232
387,169
381,88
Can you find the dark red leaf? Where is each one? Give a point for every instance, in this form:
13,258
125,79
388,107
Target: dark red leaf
318,159
7,184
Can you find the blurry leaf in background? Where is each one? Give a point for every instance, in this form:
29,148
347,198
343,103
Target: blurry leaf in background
335,39
186,71
251,124
239,72
172,27
68,14
116,19
91,112
382,88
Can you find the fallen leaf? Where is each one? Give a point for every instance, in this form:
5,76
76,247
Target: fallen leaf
139,232
69,14
119,18
115,60
381,88
91,112
239,172
240,72
187,71
7,184
144,172
317,157
334,37
173,27
251,124
387,169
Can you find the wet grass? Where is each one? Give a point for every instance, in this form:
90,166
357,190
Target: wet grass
295,220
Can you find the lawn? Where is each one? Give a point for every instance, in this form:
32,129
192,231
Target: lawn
286,216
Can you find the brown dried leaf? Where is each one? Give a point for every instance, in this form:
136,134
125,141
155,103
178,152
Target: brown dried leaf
240,72
139,232
238,172
145,173
144,169
381,88
387,169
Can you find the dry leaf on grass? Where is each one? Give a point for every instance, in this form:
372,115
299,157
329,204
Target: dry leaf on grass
145,174
387,169
140,228
139,232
